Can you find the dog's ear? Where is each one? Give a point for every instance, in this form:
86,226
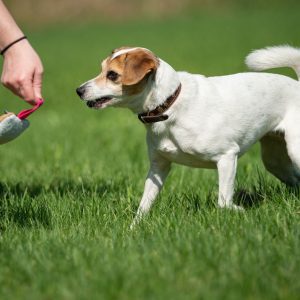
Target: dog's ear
137,65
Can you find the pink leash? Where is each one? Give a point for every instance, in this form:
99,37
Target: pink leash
27,112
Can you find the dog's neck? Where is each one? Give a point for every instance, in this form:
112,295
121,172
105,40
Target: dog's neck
157,89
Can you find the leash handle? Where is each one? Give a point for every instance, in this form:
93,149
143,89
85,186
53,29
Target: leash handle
27,112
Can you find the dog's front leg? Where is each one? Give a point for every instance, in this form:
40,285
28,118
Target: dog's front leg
227,171
159,169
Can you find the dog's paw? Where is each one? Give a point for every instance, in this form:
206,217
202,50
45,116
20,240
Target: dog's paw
237,207
135,222
132,226
233,207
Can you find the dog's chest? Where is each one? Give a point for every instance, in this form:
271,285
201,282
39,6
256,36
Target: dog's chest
167,147
182,152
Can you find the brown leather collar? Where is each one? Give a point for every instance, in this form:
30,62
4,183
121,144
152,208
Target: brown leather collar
157,114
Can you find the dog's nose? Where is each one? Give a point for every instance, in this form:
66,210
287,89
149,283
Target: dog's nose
80,91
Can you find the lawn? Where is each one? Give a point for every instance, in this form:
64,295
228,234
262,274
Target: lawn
71,184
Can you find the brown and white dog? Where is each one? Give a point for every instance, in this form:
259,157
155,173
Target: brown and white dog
206,122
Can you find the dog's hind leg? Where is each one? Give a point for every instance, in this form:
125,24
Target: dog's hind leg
292,138
159,169
281,158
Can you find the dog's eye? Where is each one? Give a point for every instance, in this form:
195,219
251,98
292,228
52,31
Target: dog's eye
112,75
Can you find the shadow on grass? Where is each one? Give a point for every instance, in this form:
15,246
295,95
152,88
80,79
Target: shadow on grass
61,188
242,197
250,198
24,205
254,198
25,214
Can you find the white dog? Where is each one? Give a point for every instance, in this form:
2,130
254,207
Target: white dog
206,122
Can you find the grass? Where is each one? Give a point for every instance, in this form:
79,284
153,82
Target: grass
71,184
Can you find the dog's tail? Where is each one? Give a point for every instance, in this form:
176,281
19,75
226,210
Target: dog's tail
274,57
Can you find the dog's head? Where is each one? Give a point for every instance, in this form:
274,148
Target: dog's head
125,75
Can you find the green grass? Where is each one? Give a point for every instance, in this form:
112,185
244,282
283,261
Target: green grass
71,184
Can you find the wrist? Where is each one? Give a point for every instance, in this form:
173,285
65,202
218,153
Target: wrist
13,44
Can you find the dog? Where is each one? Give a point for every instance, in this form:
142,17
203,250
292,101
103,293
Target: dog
206,122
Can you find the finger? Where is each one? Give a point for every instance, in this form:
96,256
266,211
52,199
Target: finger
37,84
21,88
27,92
14,87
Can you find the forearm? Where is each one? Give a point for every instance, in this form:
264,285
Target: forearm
22,68
9,30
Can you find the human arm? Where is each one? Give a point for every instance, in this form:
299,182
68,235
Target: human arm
22,67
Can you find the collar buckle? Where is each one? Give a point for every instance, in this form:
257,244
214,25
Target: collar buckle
152,119
157,114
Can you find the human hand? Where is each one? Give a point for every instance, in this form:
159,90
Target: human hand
22,72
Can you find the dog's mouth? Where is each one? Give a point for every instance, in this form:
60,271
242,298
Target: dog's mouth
98,103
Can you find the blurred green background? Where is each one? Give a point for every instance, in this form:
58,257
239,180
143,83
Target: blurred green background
70,185
34,12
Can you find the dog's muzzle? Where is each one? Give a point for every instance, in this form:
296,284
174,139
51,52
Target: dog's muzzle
98,103
80,91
